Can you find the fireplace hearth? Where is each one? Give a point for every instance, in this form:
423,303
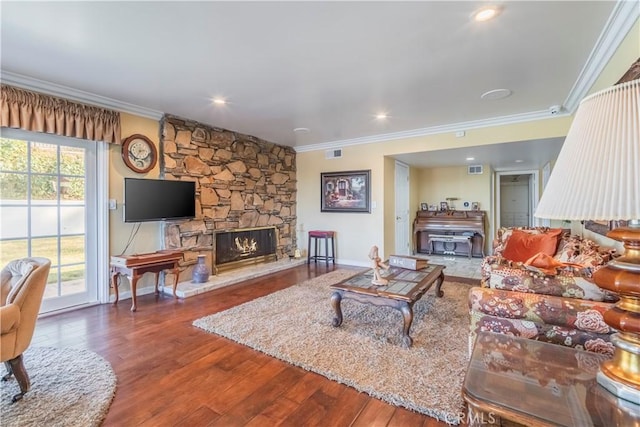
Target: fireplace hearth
239,247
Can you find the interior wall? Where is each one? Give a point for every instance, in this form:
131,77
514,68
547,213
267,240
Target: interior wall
436,184
148,238
355,232
358,232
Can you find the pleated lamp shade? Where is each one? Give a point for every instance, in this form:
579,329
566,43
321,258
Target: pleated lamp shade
597,174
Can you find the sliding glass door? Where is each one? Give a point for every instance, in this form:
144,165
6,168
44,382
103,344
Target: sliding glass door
48,208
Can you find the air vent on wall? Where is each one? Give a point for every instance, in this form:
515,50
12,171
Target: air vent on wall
333,154
474,170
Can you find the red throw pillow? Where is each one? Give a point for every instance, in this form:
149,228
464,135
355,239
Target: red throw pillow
522,245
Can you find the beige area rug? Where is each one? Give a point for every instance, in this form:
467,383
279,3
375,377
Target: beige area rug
365,352
69,387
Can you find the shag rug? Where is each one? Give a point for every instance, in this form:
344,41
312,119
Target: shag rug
366,351
69,387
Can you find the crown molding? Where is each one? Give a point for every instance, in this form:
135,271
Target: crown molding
434,130
622,18
48,88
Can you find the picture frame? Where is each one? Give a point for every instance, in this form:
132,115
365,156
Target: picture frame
444,206
433,207
603,227
475,206
424,207
348,191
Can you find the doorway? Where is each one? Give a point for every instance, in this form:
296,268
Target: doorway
402,209
516,198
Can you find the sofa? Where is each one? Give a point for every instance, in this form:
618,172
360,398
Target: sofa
539,284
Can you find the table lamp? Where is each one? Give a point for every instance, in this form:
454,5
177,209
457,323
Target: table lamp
597,177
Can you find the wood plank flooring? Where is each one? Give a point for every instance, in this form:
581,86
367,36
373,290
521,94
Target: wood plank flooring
171,373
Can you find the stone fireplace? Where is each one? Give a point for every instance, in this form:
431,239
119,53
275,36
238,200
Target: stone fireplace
245,246
243,183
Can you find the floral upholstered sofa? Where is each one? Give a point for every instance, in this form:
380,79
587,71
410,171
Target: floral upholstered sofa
548,295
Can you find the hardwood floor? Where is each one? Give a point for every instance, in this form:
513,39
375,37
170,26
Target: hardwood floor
171,373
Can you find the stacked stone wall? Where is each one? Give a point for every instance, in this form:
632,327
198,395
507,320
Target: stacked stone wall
241,182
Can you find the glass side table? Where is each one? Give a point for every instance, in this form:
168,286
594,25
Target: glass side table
512,379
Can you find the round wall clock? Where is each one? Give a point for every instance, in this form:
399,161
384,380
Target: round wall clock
139,153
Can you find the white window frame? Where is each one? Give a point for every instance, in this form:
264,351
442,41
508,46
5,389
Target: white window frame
96,194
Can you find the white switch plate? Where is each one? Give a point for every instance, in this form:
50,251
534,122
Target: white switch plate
113,204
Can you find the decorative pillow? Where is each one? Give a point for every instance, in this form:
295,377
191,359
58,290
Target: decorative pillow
522,245
504,233
546,264
584,252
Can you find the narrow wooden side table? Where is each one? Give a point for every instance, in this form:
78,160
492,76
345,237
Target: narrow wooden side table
135,266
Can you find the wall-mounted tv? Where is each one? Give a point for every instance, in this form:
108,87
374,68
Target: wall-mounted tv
158,199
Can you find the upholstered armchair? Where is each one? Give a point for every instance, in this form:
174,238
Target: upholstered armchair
22,284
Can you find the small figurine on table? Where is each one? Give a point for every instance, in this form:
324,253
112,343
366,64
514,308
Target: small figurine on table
377,264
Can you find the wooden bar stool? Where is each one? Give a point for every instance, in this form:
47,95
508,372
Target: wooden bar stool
326,235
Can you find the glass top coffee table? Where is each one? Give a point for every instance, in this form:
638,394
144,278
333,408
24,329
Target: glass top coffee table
536,383
405,287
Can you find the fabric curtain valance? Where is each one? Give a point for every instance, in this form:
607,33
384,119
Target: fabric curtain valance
36,112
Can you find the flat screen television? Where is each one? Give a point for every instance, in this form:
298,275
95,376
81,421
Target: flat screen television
158,199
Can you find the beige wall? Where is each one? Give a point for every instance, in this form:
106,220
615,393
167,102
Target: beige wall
358,232
436,184
149,237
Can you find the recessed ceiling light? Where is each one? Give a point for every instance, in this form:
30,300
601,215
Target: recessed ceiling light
486,13
519,161
219,101
302,130
469,159
496,94
381,116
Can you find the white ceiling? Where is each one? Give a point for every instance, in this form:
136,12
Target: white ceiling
326,66
521,155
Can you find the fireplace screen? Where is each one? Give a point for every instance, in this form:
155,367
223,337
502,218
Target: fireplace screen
245,245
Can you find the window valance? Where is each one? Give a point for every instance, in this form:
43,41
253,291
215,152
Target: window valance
36,112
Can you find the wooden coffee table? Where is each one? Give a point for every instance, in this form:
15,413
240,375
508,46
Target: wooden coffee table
404,289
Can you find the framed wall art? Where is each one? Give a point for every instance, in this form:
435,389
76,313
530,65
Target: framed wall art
603,227
345,191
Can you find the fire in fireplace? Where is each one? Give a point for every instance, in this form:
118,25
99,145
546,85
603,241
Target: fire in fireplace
235,248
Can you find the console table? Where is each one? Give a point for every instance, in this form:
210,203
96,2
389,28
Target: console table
135,266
